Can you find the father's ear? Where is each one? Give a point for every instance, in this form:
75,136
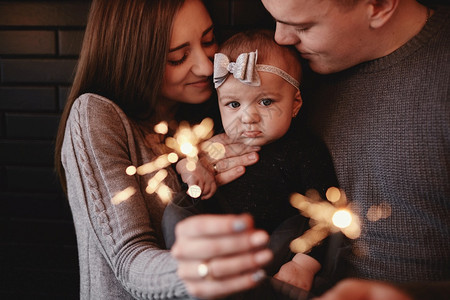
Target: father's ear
380,11
298,101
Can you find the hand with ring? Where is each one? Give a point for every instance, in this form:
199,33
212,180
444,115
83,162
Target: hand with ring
219,255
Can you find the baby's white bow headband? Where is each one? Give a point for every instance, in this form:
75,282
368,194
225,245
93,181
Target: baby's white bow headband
245,70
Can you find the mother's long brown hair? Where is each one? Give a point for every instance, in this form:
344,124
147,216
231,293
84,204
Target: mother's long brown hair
123,58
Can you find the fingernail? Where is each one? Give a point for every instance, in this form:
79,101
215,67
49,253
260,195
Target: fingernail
259,238
256,148
251,156
258,275
239,225
263,257
240,170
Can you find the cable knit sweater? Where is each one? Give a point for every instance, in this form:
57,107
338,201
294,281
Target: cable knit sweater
120,246
386,123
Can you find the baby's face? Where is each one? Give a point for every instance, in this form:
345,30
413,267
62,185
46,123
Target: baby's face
258,115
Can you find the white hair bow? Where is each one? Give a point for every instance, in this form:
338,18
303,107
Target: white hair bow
245,70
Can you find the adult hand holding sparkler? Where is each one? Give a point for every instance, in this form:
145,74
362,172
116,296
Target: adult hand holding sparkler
208,161
228,157
217,161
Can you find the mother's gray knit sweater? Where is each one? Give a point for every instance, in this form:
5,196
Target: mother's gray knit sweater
387,125
120,245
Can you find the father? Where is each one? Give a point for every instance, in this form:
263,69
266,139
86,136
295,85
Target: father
382,106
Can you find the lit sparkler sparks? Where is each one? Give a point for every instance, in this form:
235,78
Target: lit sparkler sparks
185,142
123,195
326,217
186,139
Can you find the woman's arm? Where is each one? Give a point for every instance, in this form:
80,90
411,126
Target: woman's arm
122,232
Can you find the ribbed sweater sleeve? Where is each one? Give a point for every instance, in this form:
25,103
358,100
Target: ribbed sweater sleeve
120,245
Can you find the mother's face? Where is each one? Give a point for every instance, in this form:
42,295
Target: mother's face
189,65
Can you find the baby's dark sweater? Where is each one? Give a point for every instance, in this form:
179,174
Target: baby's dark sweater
293,164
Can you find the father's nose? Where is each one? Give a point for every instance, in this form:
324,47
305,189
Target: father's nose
285,35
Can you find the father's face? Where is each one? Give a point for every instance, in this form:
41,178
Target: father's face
332,38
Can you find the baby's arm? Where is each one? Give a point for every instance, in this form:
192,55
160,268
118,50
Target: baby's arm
300,271
200,176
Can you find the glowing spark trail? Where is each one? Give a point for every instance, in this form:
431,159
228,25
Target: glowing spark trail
185,143
123,195
326,217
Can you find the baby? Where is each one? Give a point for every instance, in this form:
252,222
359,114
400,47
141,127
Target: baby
257,84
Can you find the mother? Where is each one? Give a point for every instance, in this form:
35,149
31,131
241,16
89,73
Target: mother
140,62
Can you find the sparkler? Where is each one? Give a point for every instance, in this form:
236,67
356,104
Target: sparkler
326,217
185,142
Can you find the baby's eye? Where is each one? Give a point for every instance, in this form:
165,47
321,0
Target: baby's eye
233,104
266,102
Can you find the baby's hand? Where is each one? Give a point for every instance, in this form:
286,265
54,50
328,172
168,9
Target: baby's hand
300,271
200,176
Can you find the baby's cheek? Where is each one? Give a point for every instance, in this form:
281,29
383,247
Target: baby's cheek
231,132
231,129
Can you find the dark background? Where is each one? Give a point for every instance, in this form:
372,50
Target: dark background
39,46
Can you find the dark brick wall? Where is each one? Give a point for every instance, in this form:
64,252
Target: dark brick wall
39,46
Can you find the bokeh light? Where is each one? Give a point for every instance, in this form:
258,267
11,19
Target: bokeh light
342,218
194,191
162,127
123,195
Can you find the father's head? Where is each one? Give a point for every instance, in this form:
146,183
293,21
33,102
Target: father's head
332,35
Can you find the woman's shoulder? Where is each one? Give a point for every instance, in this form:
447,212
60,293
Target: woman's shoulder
90,101
91,108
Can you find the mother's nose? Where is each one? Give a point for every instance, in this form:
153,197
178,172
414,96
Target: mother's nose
203,64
